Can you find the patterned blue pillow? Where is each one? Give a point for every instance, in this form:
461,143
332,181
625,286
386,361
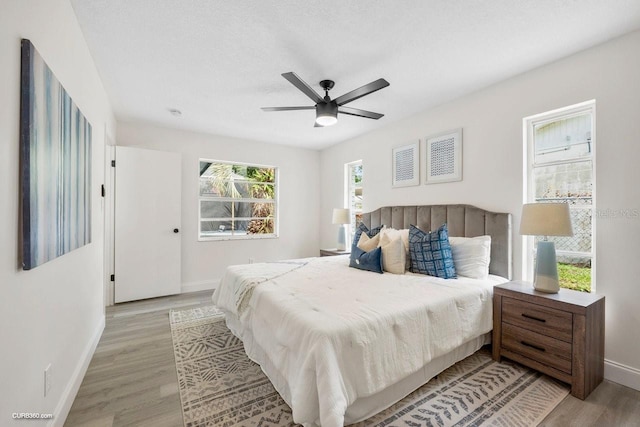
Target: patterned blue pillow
370,261
431,252
364,229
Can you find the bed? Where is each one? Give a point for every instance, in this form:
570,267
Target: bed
340,344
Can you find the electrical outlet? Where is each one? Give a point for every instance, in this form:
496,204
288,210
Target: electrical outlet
47,380
252,260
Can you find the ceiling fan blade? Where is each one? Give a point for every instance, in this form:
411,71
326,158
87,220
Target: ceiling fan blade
286,108
305,88
359,113
316,125
361,91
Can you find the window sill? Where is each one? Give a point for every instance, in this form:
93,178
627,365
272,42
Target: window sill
241,237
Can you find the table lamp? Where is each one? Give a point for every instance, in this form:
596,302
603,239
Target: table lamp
546,219
341,217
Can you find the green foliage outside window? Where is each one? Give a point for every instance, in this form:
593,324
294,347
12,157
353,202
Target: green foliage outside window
574,277
236,199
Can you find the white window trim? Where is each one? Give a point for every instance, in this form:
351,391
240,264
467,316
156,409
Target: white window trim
527,190
347,191
276,201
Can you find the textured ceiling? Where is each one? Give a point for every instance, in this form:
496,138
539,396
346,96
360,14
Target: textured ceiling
220,61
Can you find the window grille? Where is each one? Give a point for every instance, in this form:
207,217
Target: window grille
237,201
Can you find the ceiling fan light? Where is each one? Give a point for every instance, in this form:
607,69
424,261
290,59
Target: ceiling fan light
326,120
326,113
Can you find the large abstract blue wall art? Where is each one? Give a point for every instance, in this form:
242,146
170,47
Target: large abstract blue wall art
55,162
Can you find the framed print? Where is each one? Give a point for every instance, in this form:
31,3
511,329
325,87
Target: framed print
55,165
443,157
406,165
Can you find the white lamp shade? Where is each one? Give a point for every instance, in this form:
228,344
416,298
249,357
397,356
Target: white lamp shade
546,219
341,216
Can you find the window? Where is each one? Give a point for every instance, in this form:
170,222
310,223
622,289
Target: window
561,167
237,201
353,174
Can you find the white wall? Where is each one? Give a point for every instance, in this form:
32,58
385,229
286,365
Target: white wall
493,173
204,263
53,313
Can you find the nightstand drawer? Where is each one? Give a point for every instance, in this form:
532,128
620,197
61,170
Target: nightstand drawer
550,351
544,320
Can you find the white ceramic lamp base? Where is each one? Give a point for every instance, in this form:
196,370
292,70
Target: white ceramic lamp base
342,244
546,274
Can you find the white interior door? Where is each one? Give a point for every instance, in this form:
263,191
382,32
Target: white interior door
109,199
147,223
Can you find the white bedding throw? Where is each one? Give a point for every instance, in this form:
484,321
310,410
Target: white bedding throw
334,333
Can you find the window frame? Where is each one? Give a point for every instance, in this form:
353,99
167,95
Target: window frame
529,165
349,192
276,203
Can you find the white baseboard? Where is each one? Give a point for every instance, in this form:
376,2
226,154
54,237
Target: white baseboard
71,390
622,374
199,286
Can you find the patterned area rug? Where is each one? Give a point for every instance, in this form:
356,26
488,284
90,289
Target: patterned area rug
220,386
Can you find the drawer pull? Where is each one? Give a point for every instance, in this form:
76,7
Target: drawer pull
532,346
533,318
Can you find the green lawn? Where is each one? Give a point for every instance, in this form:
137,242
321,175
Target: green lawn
574,277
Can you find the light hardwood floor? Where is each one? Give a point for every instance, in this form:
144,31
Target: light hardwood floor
132,381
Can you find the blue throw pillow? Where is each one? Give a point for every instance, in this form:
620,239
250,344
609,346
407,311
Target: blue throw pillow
430,253
364,229
370,261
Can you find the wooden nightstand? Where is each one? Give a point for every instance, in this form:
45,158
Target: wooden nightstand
333,252
561,335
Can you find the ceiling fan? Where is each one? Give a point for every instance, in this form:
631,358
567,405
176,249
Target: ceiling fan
327,109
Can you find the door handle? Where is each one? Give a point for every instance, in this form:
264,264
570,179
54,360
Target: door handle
175,230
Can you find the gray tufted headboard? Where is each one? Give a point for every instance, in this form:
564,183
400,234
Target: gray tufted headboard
462,221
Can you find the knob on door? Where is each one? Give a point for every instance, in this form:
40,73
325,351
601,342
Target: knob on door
175,230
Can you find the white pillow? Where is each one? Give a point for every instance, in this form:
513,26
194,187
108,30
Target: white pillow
393,253
471,256
404,236
367,243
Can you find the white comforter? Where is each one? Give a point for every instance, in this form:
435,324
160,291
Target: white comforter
333,334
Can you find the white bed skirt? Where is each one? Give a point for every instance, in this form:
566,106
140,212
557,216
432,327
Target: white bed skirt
363,407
